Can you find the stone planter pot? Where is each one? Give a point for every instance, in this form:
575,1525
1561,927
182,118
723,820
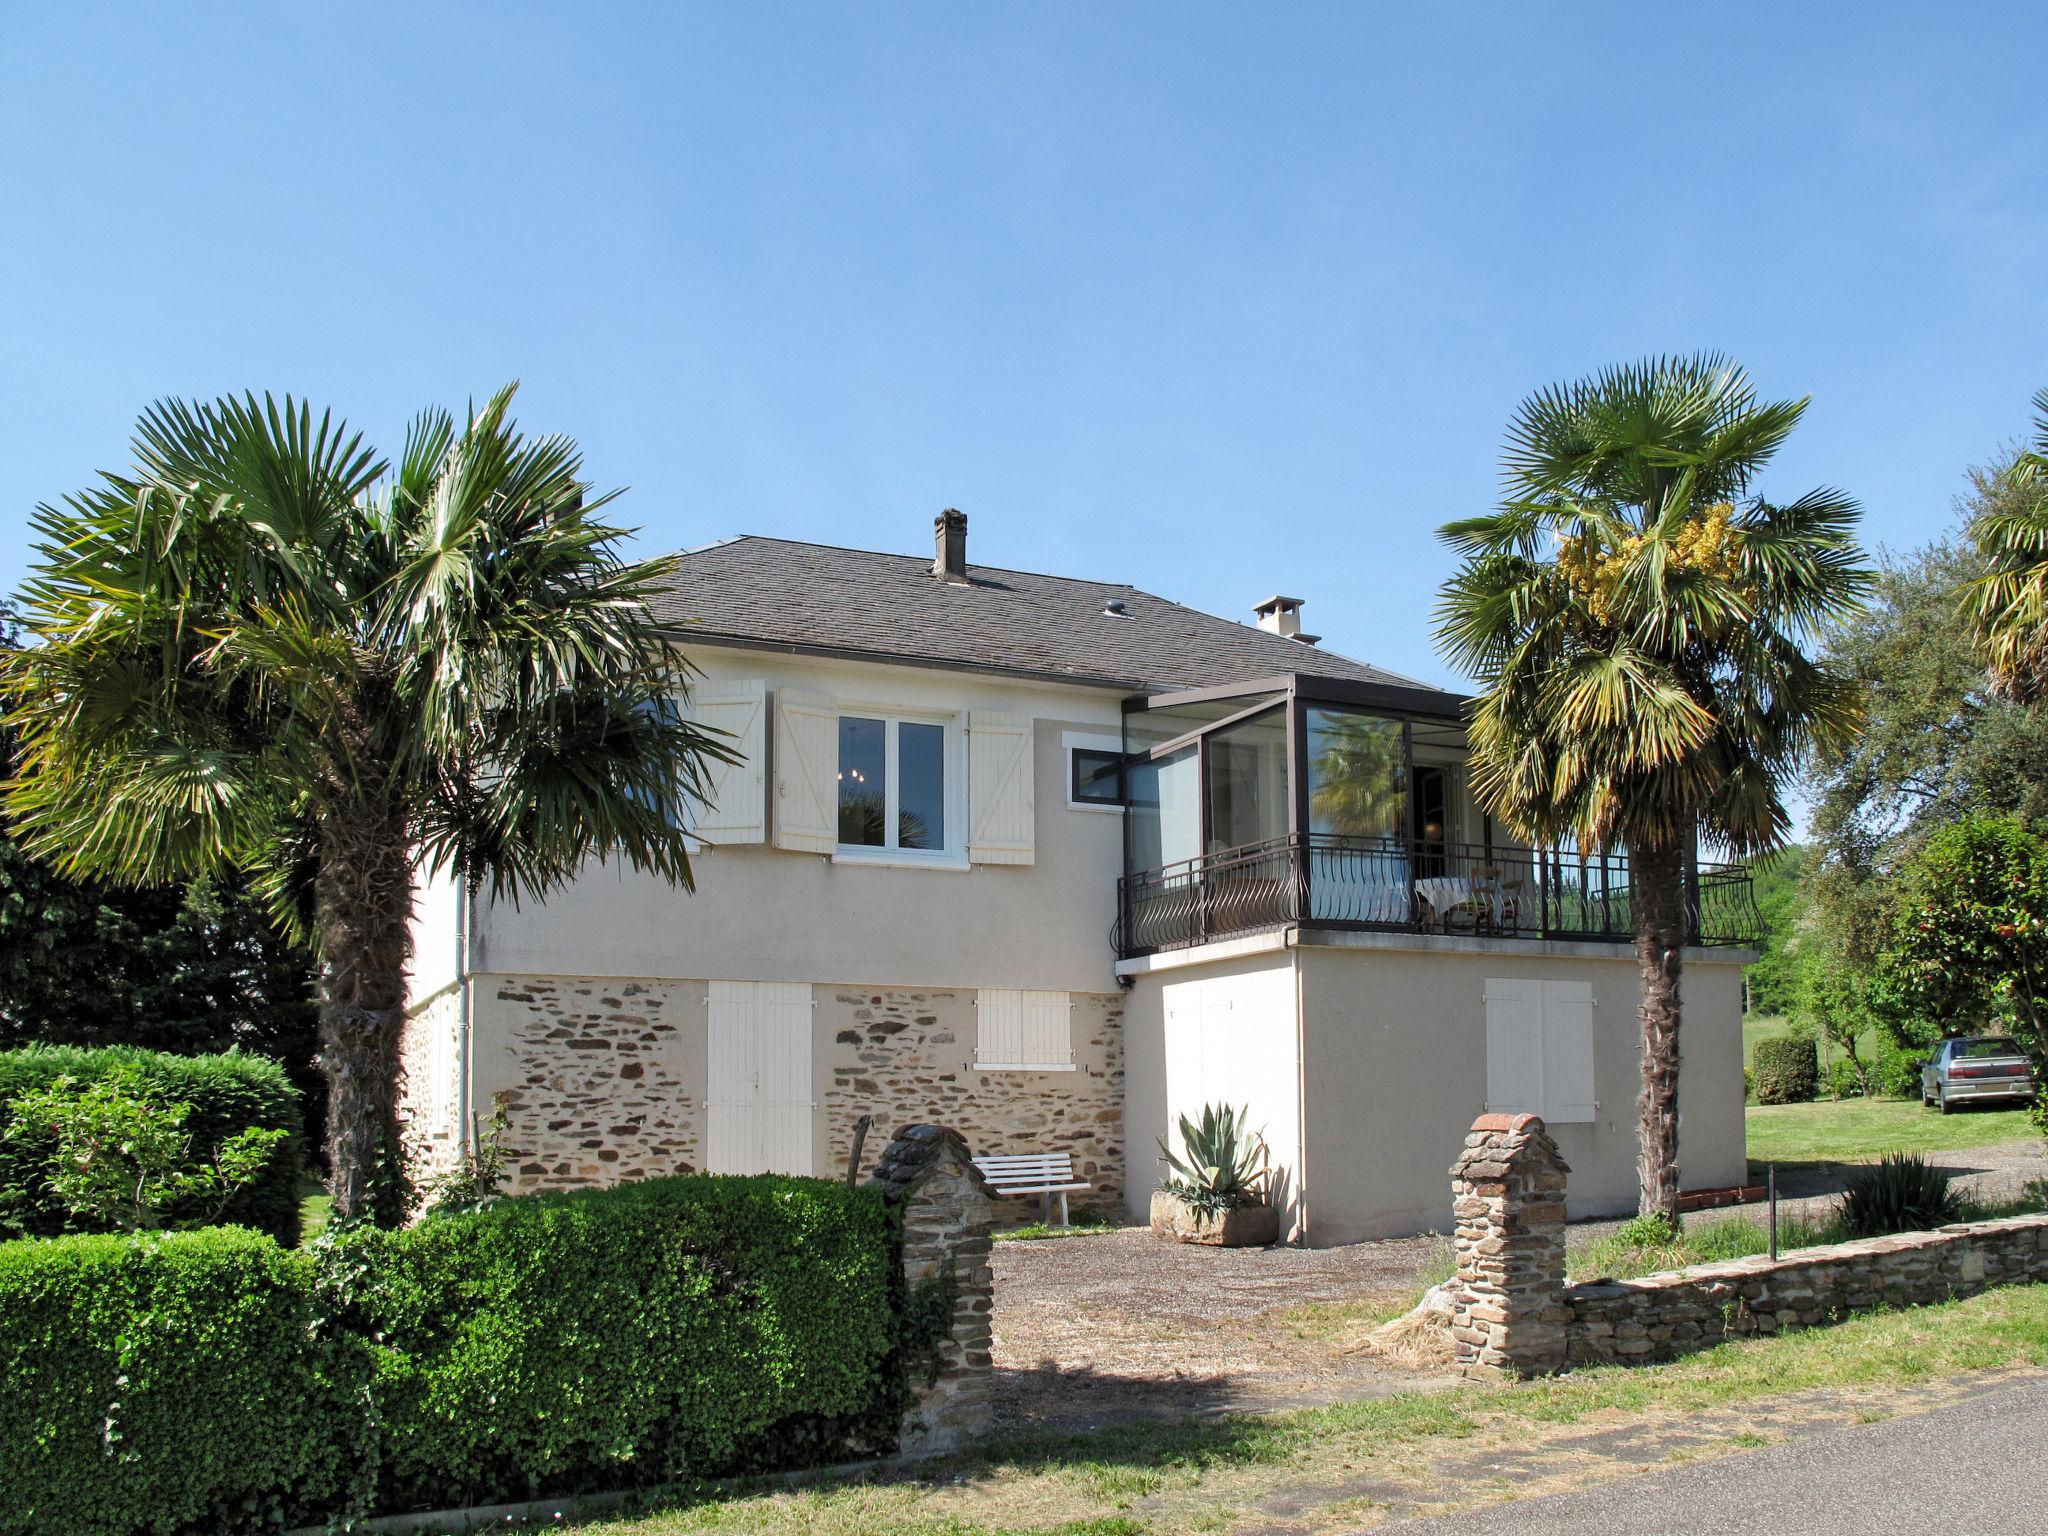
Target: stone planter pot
1252,1226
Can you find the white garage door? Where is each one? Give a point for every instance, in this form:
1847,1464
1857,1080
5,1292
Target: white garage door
759,1106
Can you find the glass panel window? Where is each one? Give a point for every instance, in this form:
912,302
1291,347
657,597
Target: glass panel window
1357,774
863,782
892,784
1095,777
1248,783
1165,814
921,796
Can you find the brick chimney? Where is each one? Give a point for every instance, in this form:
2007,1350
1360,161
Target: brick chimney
950,533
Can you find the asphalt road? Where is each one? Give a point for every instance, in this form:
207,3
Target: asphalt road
1970,1467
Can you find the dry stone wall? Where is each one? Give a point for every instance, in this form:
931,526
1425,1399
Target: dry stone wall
907,1055
601,1079
430,1086
1513,1315
1659,1317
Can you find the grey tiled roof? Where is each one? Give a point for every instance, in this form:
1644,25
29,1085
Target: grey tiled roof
817,597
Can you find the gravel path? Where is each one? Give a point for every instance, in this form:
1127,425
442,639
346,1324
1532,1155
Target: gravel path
1123,1325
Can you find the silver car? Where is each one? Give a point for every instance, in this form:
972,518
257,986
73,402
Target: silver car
1976,1067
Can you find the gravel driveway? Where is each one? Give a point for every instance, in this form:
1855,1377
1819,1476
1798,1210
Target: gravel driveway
1123,1325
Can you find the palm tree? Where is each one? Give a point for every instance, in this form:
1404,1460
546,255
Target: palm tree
264,649
2007,607
1636,617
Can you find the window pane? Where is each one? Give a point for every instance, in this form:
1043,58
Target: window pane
1095,776
1358,783
1248,783
1164,811
863,781
920,786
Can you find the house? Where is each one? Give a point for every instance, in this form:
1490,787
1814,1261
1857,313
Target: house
1053,861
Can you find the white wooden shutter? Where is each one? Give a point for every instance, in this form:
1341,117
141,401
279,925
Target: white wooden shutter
732,1106
785,1077
734,813
1001,807
1514,1046
1567,1052
998,1027
1048,1029
806,771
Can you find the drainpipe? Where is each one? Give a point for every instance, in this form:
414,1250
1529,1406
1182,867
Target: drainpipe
465,1128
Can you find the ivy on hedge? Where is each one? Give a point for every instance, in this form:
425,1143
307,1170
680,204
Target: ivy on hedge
228,1092
674,1328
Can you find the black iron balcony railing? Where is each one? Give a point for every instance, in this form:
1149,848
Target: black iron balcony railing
1410,886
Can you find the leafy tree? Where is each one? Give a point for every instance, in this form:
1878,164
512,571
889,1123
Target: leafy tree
2008,605
1774,981
1636,616
264,648
193,969
1967,946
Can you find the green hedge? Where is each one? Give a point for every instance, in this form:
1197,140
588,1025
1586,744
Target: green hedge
1787,1070
157,1384
228,1093
675,1328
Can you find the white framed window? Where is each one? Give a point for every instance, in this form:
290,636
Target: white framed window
1539,1049
1018,1030
898,787
1094,772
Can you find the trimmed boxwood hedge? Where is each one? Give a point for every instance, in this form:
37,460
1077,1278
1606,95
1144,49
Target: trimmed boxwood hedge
1787,1070
229,1092
675,1328
159,1383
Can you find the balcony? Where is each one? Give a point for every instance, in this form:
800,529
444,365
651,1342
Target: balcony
1407,885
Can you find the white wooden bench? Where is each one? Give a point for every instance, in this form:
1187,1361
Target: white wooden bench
1044,1174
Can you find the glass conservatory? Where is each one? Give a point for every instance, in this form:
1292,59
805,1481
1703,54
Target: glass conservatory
1327,803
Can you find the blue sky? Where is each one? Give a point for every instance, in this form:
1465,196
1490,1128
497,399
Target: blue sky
1217,299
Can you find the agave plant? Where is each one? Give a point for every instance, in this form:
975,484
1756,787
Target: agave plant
1901,1192
1222,1164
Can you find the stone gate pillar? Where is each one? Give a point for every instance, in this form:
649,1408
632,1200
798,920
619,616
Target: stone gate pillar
947,1218
1509,1316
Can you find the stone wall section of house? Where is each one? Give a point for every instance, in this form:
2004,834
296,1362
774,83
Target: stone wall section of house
1512,1313
905,1056
1659,1317
430,1086
601,1078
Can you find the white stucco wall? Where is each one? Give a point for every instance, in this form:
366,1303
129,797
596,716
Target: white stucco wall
1393,1067
762,913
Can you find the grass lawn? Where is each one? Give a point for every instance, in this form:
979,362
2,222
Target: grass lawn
1356,1464
1861,1130
315,1206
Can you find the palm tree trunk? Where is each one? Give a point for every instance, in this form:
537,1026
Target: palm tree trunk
362,899
1657,899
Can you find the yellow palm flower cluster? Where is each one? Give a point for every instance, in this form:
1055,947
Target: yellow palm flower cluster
1707,544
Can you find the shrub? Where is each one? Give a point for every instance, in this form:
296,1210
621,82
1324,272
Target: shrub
159,1383
227,1094
1900,1192
683,1326
1844,1081
1898,1072
671,1329
1787,1070
1652,1231
1748,1086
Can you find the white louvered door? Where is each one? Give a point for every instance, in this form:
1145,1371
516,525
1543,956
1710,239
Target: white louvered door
759,1105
